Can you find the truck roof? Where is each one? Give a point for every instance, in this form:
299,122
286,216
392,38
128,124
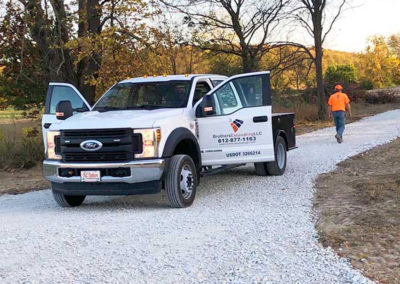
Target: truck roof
162,78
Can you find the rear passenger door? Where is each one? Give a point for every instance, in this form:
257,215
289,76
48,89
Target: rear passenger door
240,131
57,92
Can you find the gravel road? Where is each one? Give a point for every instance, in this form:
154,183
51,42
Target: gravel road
242,228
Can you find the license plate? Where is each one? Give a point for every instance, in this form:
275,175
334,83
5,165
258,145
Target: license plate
90,176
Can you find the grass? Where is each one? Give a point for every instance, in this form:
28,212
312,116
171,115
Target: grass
21,144
10,114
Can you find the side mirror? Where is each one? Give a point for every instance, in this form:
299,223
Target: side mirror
64,110
208,106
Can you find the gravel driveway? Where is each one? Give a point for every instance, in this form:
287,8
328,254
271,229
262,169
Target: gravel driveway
241,228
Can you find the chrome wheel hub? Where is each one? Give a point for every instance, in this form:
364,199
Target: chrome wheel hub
187,181
280,156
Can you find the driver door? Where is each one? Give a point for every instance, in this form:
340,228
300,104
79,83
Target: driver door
61,92
240,129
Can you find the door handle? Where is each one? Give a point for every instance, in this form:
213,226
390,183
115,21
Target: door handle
257,119
47,125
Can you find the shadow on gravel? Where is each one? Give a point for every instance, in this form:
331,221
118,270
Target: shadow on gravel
39,201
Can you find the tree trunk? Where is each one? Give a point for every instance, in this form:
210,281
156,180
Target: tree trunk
322,108
65,69
89,26
57,62
250,63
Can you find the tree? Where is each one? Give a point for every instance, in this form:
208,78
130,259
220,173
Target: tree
71,44
242,27
22,81
340,74
311,14
380,64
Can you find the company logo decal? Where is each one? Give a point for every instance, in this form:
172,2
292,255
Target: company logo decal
91,145
236,124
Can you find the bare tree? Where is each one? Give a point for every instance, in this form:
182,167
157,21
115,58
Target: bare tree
240,27
312,15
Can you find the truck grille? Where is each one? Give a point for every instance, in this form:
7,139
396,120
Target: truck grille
119,145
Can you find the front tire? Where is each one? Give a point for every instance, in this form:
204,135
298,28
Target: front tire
181,181
68,200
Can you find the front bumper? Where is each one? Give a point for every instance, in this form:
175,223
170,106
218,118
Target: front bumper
141,171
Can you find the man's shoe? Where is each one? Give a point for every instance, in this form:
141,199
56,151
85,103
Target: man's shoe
341,139
338,138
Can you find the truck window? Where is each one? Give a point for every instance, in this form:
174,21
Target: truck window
65,93
227,100
216,82
152,95
250,90
202,88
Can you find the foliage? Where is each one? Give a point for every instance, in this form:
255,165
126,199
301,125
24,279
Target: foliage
381,98
22,83
21,152
340,74
355,92
224,64
381,63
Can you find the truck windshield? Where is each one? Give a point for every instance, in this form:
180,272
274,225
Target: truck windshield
152,95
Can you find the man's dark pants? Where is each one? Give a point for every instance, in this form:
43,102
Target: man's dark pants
340,120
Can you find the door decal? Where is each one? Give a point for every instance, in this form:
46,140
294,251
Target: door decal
236,124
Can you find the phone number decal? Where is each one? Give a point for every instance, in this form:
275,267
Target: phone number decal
242,138
237,140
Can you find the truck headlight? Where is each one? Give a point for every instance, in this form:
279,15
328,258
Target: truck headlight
51,145
150,139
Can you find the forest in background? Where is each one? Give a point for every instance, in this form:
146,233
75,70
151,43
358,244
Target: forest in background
95,43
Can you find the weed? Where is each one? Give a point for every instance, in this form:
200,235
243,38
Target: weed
20,151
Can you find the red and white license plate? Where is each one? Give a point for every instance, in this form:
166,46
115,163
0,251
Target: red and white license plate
90,176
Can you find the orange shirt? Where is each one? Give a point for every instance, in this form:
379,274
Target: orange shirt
338,101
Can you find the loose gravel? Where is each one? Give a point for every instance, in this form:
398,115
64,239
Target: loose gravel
242,228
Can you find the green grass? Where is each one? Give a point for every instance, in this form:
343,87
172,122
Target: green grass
10,114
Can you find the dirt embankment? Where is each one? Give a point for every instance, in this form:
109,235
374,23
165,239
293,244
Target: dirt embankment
21,181
359,211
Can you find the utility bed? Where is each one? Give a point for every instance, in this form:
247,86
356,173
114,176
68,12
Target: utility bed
284,122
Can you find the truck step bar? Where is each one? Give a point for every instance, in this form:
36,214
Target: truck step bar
206,171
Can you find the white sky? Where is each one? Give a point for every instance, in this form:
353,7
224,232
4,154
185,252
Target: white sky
368,18
356,25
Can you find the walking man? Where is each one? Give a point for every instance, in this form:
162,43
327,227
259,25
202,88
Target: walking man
339,103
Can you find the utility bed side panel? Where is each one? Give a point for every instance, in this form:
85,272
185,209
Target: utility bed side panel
285,122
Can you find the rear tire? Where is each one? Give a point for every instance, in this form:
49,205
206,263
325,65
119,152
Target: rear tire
181,181
68,200
278,167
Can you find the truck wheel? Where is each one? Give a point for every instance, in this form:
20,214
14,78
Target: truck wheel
180,181
277,167
68,200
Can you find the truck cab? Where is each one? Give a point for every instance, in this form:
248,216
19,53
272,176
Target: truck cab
158,133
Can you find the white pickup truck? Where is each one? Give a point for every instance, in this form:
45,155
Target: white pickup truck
161,132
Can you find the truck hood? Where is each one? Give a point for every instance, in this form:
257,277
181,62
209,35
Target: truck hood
117,119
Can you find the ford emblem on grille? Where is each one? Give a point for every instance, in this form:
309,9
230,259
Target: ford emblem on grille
91,145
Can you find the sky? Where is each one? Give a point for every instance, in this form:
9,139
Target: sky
357,23
367,18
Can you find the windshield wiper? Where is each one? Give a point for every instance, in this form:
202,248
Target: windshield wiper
146,107
108,108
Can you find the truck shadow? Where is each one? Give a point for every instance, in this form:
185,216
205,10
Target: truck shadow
220,183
